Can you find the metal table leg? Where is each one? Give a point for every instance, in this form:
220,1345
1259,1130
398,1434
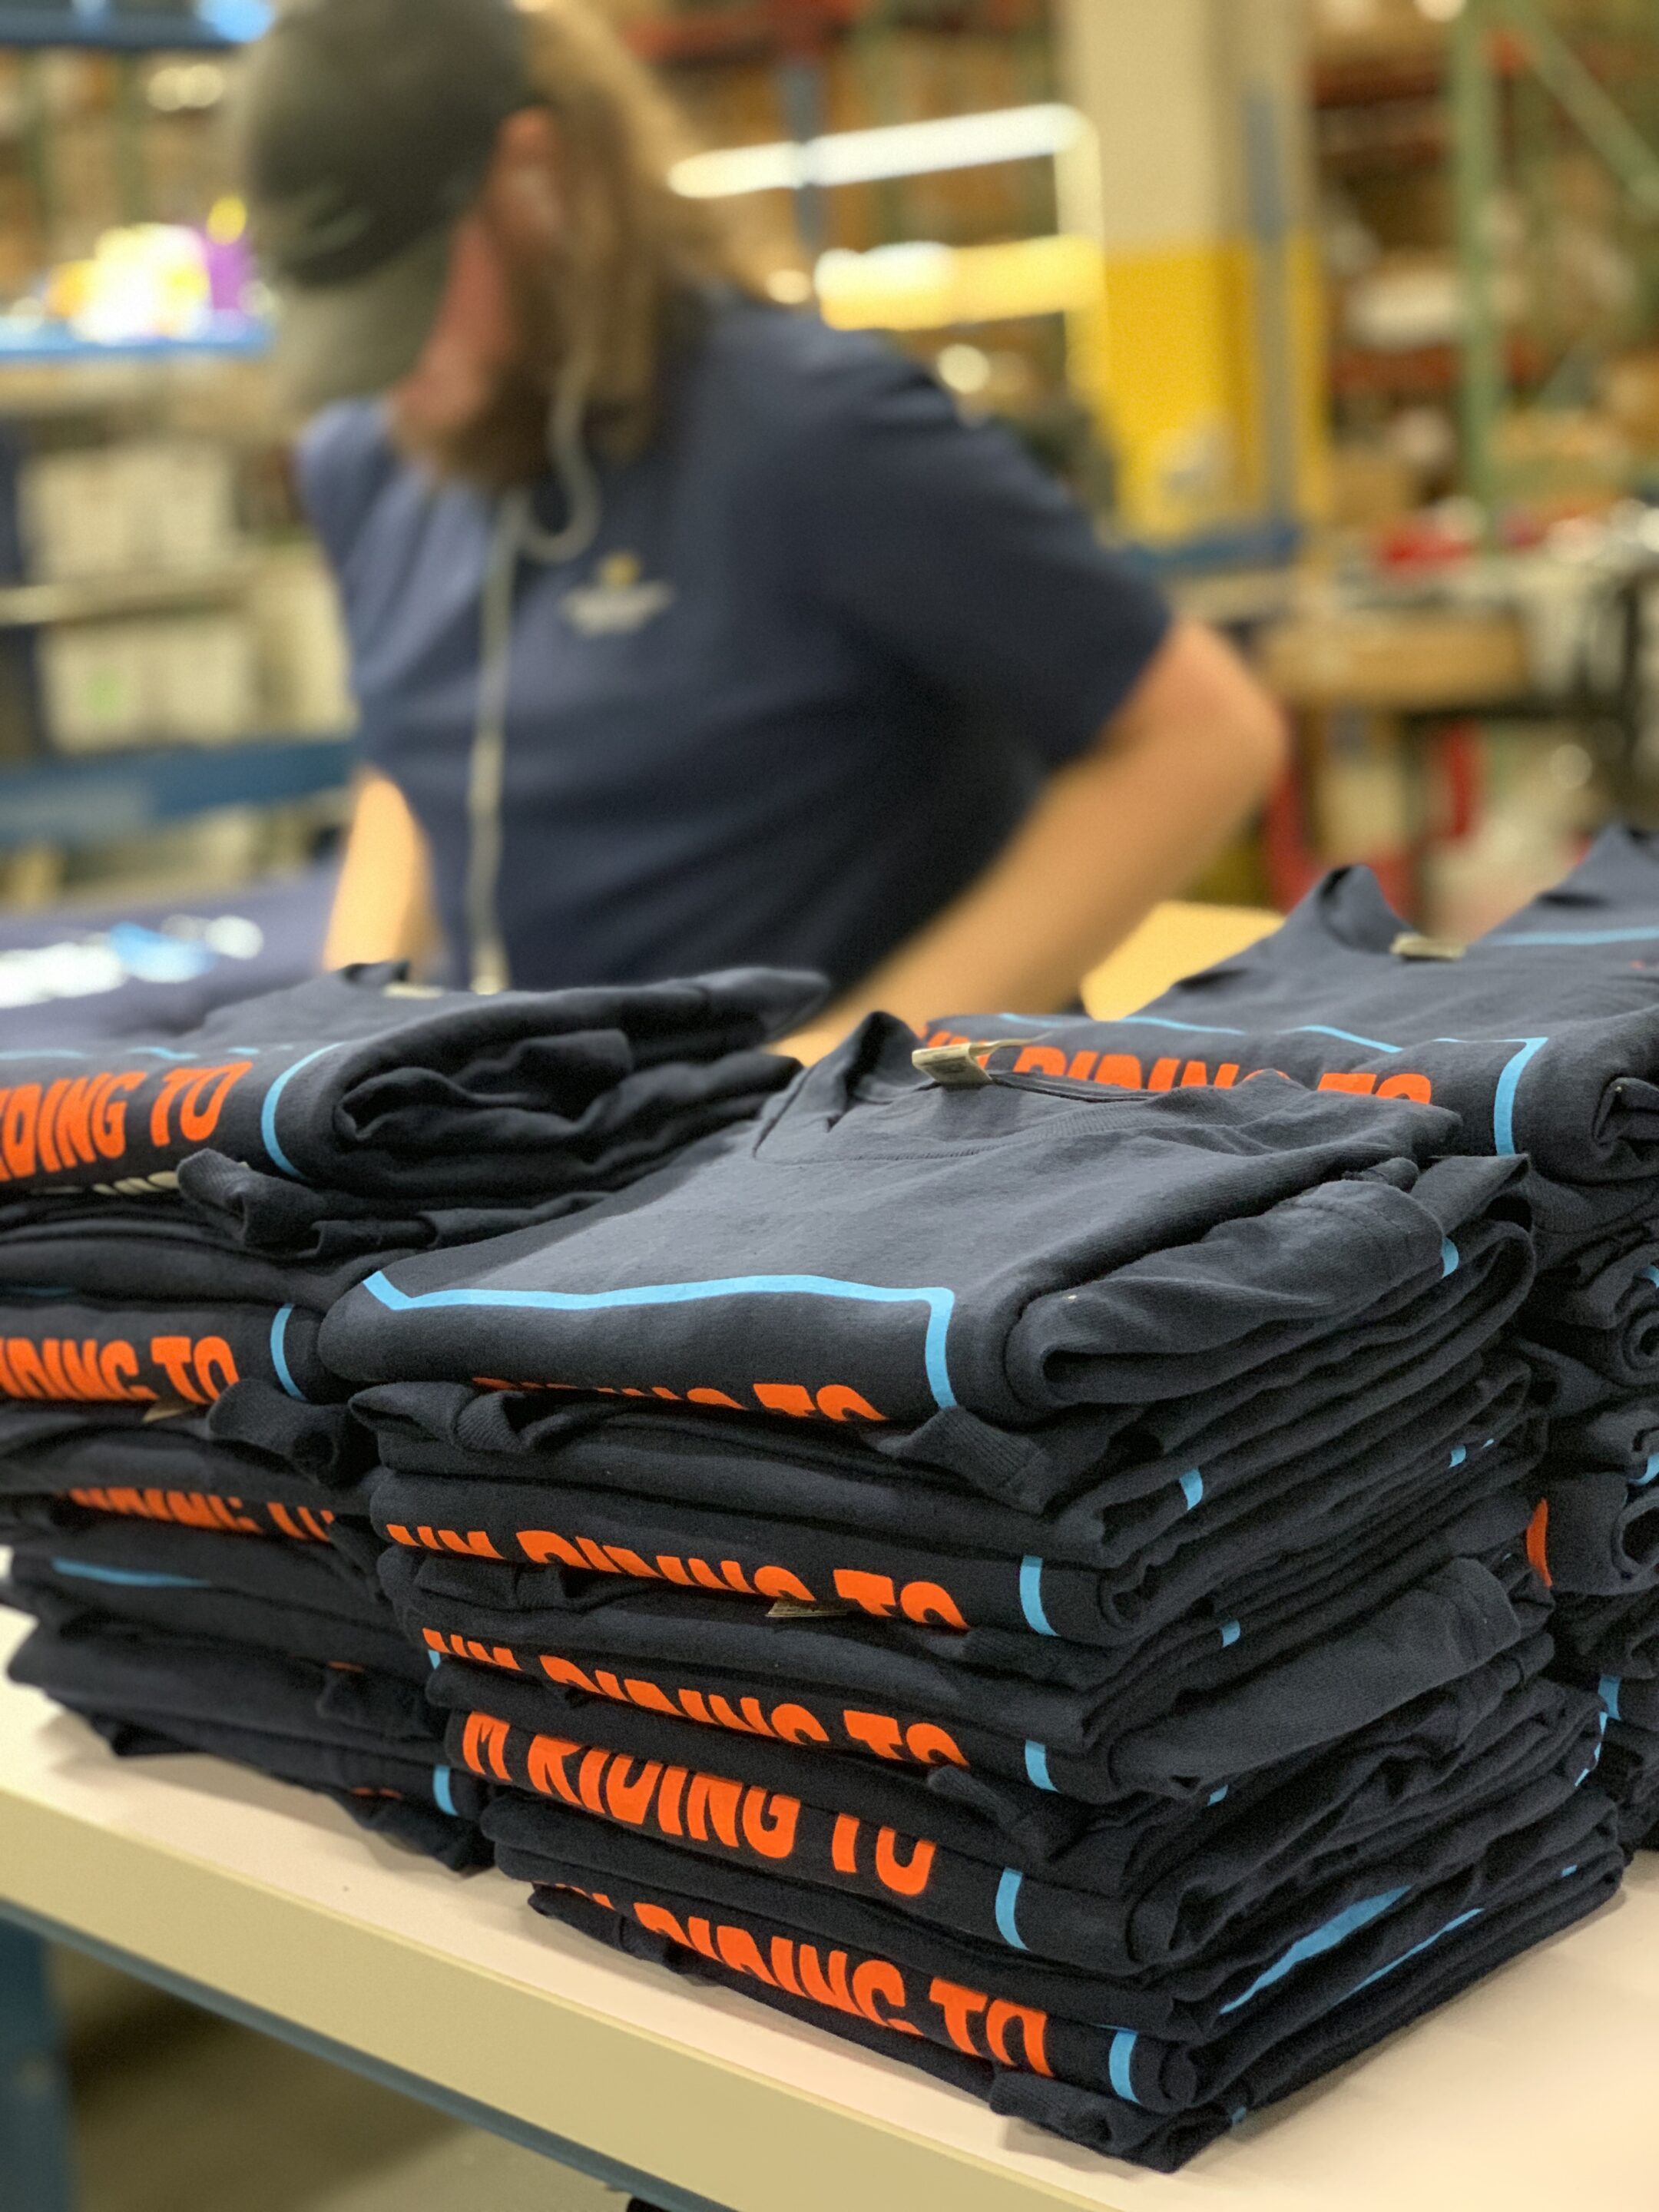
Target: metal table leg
21,1932
36,2171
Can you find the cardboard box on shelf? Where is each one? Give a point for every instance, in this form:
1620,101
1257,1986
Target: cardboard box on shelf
93,688
188,680
304,670
199,674
186,496
155,506
1407,659
1563,456
1357,31
74,526
1630,393
1370,484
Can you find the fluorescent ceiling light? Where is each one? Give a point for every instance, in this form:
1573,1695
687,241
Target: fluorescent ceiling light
901,149
923,286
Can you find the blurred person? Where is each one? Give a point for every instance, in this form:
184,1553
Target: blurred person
686,632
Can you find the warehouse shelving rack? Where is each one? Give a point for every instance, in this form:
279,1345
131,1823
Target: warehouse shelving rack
57,800
209,27
1492,39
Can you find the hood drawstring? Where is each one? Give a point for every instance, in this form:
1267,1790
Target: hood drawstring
516,534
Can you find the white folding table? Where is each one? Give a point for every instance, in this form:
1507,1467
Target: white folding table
1533,2092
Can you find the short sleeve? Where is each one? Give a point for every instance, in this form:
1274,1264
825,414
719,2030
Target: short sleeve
946,544
341,462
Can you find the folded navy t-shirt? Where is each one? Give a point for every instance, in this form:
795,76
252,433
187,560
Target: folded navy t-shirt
881,1249
1263,1826
358,1081
356,1739
1082,1468
254,1432
129,1251
781,1471
297,1602
808,1562
1193,2001
808,1815
1118,2090
1256,1618
1202,1913
64,1350
1337,1658
1542,1037
1602,1535
232,1232
1591,1287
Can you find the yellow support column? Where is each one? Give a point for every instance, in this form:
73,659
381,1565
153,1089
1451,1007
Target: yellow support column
1205,364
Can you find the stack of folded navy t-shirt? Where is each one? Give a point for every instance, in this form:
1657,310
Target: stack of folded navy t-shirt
1543,1037
1030,1575
185,1490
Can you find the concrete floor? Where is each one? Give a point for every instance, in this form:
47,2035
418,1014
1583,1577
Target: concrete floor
178,2111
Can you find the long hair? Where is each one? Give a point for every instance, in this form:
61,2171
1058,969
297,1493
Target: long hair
635,251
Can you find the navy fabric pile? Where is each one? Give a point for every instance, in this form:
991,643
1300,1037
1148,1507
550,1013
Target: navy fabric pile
1543,1037
1030,1575
185,1493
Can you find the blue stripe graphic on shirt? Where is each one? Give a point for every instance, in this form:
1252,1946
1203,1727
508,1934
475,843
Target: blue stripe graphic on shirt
441,1791
1571,936
1417,1949
1213,1029
1186,1029
1036,1767
1347,1036
1030,1596
124,1578
127,1051
1503,1111
1191,1487
1230,1632
279,1353
1648,1472
1315,1945
1008,1890
1607,1690
1508,1081
1119,2063
940,1304
1449,1256
268,1111
1458,1454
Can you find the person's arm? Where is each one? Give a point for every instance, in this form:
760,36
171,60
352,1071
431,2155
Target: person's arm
383,909
1173,775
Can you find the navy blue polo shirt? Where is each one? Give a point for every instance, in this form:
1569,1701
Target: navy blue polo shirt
796,695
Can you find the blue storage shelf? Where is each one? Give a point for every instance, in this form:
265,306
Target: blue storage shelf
1271,543
85,802
214,24
29,345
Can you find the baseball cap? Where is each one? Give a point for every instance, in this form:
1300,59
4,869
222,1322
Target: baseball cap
367,130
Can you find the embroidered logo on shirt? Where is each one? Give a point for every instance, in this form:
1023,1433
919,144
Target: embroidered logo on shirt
619,602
